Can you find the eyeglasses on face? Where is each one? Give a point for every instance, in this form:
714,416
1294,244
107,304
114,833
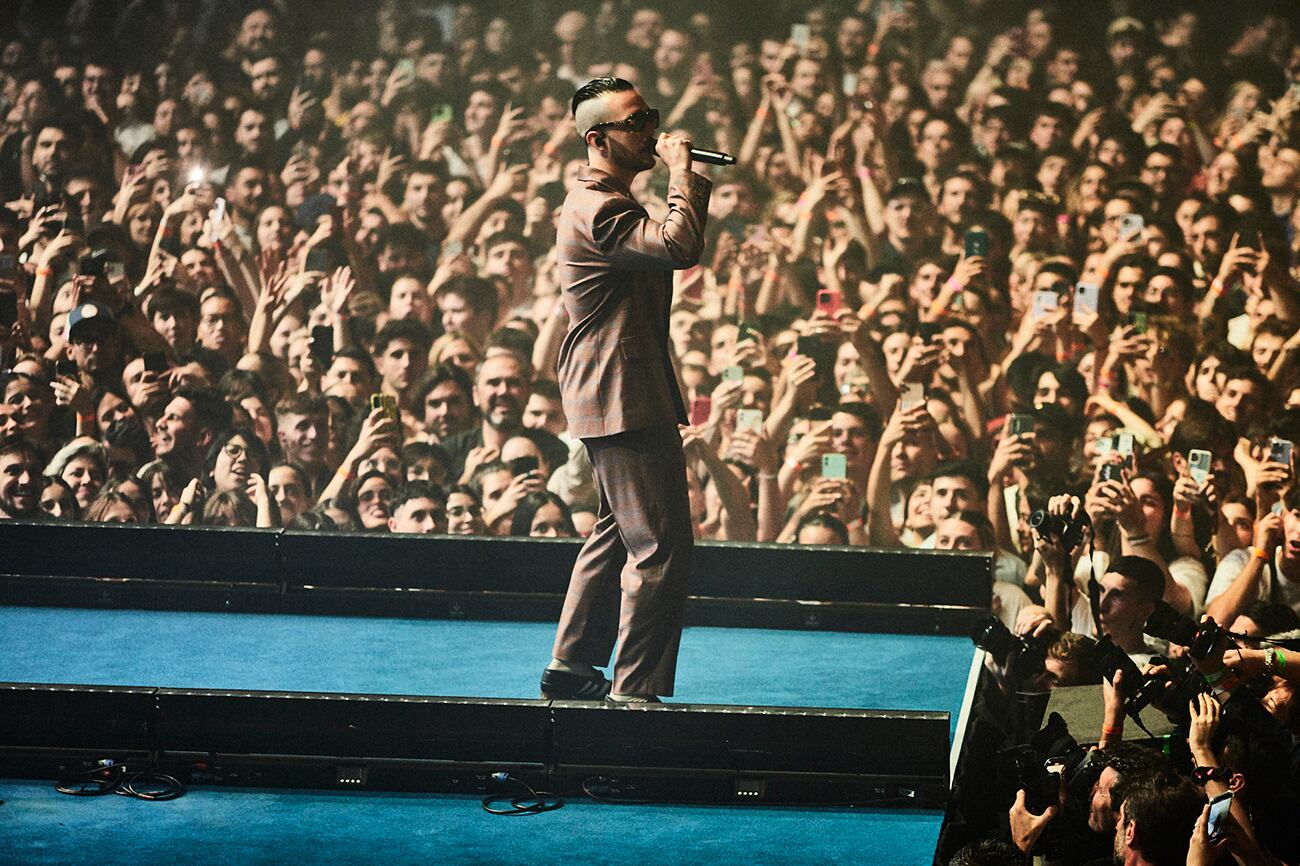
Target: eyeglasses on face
634,122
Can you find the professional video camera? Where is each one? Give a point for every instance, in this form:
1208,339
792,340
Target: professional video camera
1068,530
1026,654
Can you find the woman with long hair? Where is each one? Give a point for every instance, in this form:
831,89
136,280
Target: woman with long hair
543,515
115,507
83,464
368,501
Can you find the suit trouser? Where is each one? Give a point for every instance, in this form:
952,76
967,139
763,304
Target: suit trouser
632,572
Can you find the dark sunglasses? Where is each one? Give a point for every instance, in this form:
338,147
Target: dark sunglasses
635,123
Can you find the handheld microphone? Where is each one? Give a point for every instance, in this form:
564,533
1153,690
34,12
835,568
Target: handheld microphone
711,157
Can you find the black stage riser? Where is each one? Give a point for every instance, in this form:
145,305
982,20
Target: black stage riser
206,568
752,738
723,754
194,555
623,785
139,594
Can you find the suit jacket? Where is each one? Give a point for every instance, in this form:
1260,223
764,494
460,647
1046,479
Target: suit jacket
615,263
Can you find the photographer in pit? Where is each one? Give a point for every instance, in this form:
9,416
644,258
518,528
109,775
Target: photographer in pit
1072,817
1126,593
1023,665
1243,731
1240,726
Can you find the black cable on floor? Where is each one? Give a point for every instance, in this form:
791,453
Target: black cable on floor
94,782
150,785
111,778
535,803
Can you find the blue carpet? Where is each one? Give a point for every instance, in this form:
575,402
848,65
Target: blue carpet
461,658
39,826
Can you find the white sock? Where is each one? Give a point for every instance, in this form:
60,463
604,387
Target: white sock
578,668
630,699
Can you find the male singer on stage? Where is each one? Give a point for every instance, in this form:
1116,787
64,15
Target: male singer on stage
622,400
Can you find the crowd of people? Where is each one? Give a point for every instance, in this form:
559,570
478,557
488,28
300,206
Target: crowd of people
992,277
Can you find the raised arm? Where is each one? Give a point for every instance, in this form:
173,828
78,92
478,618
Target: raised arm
754,448
546,350
466,226
755,132
1245,587
1136,541
738,523
633,241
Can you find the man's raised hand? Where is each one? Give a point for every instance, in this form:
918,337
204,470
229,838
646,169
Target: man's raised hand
675,151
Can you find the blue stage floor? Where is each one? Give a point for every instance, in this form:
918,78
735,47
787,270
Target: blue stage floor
464,658
451,658
39,826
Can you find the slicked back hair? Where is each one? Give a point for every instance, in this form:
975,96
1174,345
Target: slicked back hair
598,87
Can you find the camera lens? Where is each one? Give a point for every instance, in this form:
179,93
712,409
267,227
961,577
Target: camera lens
1067,531
990,635
1047,524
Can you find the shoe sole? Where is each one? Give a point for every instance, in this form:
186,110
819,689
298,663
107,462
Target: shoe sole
596,691
556,697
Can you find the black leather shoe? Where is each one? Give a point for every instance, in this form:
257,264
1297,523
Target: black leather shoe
564,686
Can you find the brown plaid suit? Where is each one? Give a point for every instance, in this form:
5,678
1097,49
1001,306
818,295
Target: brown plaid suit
621,398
